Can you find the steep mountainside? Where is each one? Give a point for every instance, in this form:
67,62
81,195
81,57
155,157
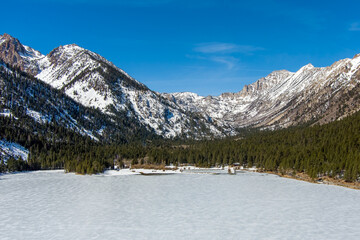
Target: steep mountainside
34,106
284,98
93,81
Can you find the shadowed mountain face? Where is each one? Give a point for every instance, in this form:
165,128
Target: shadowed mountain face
35,107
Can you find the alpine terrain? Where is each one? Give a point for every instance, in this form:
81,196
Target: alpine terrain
75,92
92,82
284,98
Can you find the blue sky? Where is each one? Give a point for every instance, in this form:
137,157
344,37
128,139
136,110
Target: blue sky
207,47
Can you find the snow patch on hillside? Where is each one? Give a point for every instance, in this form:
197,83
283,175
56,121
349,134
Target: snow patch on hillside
31,54
10,149
89,97
7,113
38,117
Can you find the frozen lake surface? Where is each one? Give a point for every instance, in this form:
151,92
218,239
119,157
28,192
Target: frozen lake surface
54,205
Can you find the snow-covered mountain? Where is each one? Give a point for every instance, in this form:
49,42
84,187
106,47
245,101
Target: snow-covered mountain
284,98
95,82
35,107
280,99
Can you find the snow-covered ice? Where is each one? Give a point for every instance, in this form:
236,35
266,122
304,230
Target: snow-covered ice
54,205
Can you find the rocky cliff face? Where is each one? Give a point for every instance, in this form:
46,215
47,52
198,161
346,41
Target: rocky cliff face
17,55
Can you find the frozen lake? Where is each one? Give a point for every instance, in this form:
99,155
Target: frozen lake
54,205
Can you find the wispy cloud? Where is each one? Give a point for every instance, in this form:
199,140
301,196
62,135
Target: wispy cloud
226,54
230,62
224,48
355,26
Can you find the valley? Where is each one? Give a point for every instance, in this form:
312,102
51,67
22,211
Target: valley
72,109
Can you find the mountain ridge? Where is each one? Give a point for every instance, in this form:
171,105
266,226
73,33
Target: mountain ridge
280,99
94,82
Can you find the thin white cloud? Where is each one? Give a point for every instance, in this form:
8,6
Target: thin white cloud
223,48
230,62
355,26
225,54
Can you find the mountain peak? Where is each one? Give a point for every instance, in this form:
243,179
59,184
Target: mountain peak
308,66
67,48
72,46
63,53
356,56
265,83
7,36
18,55
278,74
7,42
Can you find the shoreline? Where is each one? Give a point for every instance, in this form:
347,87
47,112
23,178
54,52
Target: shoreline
321,180
141,171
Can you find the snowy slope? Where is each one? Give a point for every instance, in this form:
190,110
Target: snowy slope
66,63
34,106
9,149
95,82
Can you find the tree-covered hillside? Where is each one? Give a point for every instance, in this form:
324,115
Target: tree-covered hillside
328,150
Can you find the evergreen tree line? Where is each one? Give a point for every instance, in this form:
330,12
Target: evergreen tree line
328,150
55,147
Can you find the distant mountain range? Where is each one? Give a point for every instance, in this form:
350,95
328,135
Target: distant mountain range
284,98
80,90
